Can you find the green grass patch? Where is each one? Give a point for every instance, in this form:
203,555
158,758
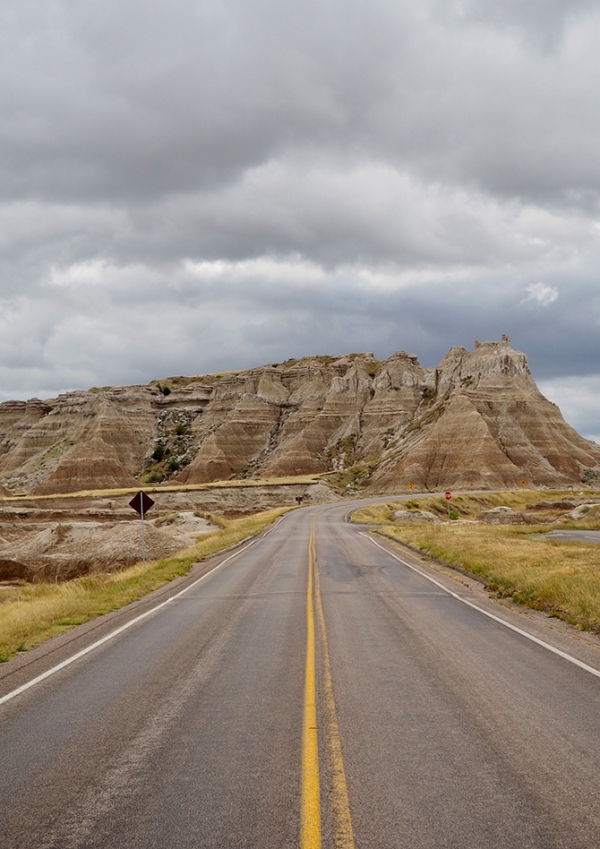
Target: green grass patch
354,477
32,613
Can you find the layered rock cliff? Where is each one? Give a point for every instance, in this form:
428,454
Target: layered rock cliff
476,420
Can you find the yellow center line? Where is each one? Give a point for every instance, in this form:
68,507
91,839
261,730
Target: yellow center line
310,815
310,833
340,803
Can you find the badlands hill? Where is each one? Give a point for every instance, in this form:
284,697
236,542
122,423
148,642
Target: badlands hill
477,420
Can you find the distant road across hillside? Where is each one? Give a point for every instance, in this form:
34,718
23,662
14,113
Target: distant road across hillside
317,688
576,536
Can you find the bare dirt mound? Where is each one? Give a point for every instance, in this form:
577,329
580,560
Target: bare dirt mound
67,550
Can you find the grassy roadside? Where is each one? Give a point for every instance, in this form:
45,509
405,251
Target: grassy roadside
470,506
33,613
559,577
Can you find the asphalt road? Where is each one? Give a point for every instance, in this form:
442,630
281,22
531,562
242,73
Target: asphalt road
414,720
575,536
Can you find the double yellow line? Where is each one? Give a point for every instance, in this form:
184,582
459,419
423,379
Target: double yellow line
310,822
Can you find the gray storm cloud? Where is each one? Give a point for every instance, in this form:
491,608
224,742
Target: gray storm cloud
139,100
189,186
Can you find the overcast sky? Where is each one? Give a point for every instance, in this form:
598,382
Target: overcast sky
200,185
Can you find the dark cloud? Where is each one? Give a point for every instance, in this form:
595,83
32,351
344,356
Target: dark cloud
196,186
141,100
538,22
137,324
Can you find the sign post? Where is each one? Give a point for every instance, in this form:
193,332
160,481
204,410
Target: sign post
523,482
448,496
141,503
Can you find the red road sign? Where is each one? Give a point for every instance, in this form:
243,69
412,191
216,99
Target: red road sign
141,503
447,495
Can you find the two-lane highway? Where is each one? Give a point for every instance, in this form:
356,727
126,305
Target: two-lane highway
312,691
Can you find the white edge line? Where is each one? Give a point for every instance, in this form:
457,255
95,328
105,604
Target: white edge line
506,624
120,630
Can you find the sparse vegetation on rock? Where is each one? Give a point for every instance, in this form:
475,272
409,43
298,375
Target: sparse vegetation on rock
476,421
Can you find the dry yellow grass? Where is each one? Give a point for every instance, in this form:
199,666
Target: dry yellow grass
191,487
33,613
560,577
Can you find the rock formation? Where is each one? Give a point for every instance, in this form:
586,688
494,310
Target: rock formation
477,420
411,516
484,423
507,516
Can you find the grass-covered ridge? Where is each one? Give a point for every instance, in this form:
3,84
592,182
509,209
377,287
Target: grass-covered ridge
562,578
290,480
30,614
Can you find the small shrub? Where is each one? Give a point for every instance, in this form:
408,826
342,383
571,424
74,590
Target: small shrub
166,519
590,476
210,517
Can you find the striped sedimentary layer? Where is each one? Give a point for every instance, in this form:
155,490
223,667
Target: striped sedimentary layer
477,420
